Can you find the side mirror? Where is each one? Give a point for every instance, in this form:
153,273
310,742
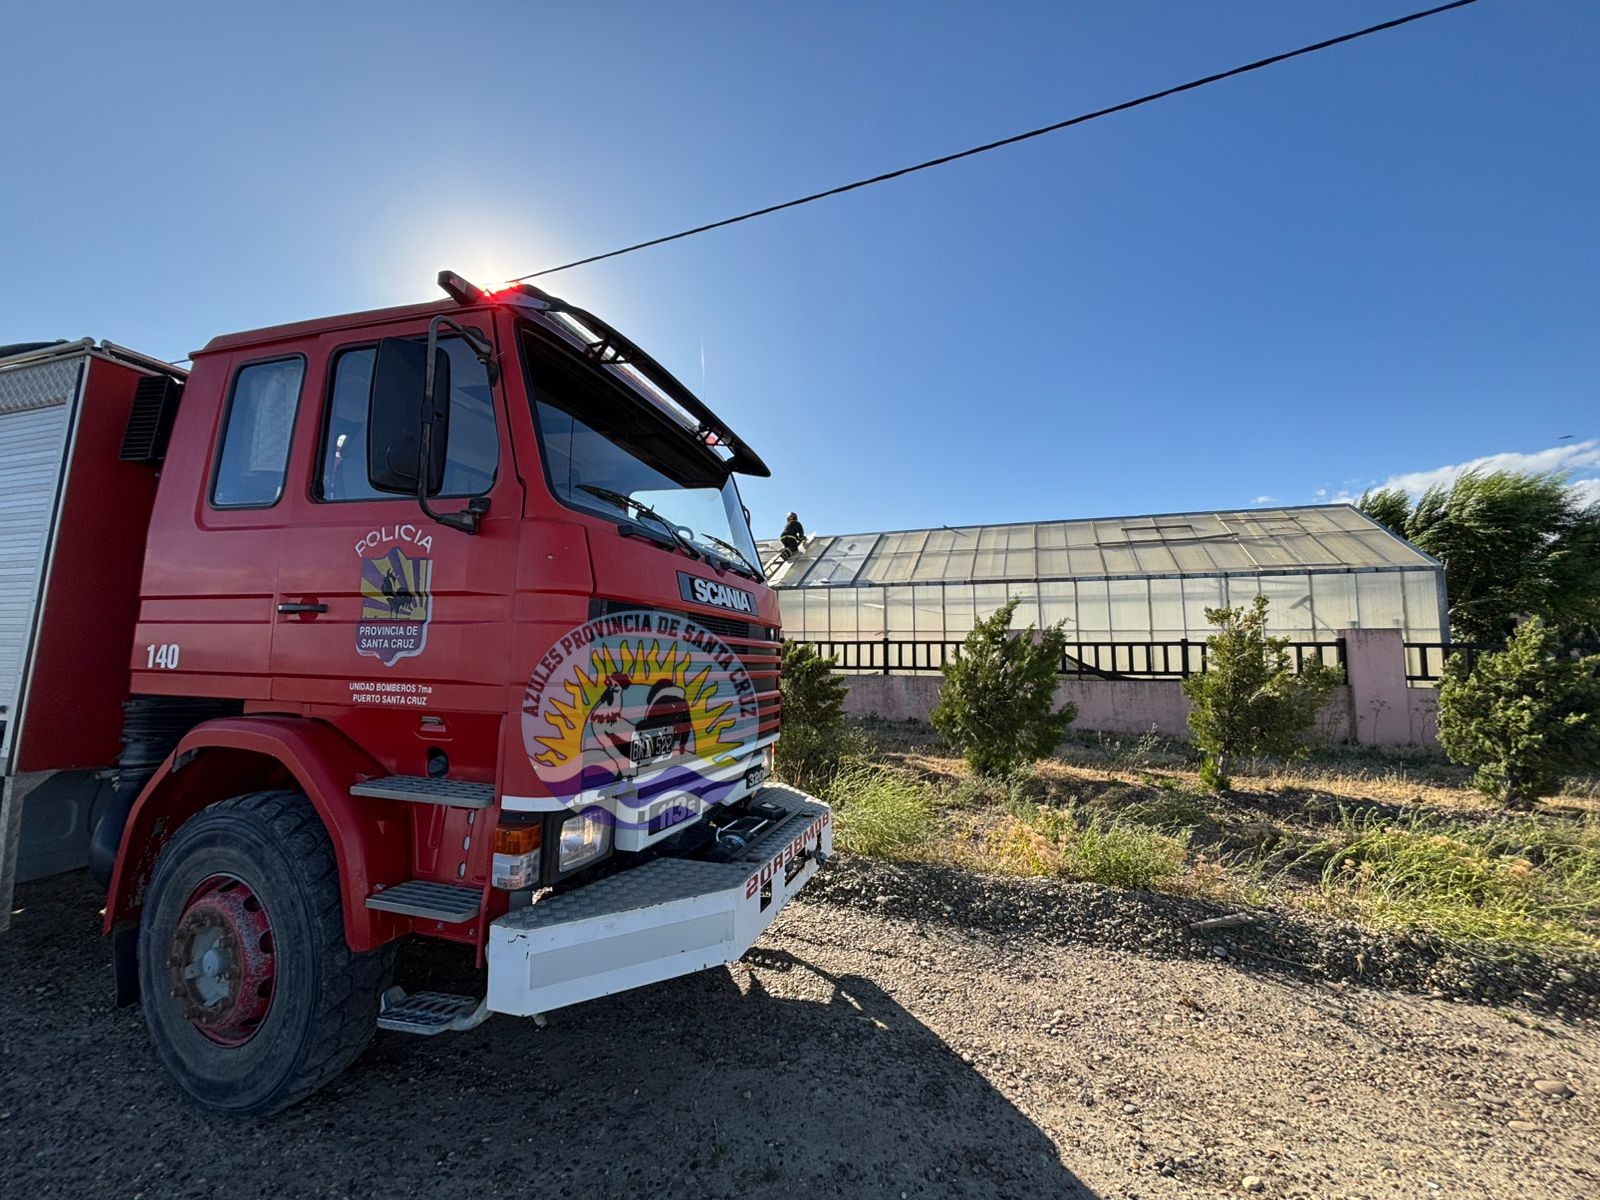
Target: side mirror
406,418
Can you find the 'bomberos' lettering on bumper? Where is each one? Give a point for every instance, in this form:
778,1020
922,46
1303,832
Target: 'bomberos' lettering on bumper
787,855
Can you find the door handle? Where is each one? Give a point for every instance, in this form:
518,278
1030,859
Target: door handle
302,608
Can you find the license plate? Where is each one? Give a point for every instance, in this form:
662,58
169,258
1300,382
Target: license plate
649,745
754,777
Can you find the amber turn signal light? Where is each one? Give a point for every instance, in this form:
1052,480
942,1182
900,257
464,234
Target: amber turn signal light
517,839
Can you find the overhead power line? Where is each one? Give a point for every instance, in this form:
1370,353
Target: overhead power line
1082,118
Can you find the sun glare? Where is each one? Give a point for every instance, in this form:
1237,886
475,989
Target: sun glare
487,249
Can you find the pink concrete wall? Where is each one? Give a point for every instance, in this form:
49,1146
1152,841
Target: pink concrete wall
1375,664
1110,706
1376,708
892,697
1115,706
1128,705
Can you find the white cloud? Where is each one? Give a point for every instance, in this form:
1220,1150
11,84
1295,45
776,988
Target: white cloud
1265,500
1574,457
1581,460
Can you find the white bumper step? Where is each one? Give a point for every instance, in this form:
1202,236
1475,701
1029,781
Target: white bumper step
666,918
429,1013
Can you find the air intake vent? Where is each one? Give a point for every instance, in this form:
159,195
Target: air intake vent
155,404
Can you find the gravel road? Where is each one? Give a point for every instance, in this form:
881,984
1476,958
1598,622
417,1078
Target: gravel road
856,1052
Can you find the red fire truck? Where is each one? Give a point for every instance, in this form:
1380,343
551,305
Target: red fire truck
441,621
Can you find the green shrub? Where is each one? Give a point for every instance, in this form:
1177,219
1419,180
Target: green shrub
1250,700
879,811
997,706
1524,718
815,738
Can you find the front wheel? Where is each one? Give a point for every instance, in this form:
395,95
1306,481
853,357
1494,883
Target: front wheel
252,997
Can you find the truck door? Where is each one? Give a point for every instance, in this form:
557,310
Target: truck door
380,608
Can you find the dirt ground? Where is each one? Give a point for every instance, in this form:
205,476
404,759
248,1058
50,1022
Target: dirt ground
853,1053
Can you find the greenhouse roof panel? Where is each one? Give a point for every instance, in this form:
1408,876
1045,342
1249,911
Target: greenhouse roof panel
1245,541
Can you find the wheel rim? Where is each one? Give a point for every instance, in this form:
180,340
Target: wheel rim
222,960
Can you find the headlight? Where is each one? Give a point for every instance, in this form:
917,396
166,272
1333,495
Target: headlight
584,838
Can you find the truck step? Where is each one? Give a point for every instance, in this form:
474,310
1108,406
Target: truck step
429,1013
419,789
432,901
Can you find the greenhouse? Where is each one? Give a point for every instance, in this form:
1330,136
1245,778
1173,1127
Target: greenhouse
1136,580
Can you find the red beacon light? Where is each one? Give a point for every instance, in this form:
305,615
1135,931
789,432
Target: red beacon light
464,291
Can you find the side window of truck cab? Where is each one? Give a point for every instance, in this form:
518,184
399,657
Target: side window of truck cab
254,451
473,452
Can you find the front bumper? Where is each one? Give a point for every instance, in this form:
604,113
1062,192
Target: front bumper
665,918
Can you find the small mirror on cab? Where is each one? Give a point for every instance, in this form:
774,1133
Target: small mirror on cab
397,413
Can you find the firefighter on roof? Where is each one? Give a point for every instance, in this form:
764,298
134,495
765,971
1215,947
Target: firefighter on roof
794,534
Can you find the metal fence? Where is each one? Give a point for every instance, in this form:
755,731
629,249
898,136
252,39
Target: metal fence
1425,660
1125,660
1080,660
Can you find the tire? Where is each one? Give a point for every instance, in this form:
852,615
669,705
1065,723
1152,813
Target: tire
283,1005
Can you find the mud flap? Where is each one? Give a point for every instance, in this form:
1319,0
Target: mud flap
125,962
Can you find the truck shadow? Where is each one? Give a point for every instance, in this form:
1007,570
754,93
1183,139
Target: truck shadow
771,1078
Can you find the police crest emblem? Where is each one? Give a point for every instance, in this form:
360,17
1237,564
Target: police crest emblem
396,605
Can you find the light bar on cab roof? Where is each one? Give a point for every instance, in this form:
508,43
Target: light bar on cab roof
461,290
620,356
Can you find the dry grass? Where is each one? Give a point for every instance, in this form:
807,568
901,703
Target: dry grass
1351,775
1524,882
1391,839
881,811
1038,840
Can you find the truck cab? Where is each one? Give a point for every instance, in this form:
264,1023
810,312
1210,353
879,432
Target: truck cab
454,625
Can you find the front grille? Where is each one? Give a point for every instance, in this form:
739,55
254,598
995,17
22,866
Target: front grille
723,627
755,644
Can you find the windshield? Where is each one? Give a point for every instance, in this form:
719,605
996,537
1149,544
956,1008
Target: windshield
612,454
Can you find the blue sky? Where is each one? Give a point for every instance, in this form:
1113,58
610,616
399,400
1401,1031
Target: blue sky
1379,262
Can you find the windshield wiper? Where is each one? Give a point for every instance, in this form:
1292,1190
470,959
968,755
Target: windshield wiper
736,556
644,510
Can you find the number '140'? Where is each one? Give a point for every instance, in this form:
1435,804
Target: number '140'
161,658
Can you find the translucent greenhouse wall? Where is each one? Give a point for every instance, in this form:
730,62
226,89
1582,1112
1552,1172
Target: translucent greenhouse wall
1139,579
1304,606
